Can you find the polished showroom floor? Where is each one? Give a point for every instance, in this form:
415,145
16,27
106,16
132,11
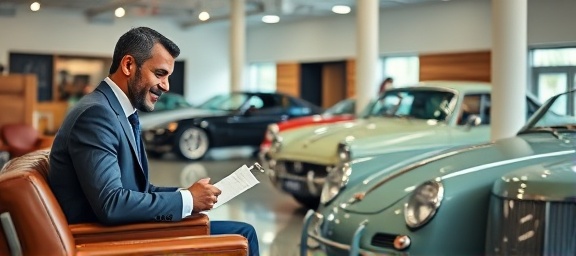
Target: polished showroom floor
276,217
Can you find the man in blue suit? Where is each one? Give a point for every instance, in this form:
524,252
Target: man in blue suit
98,166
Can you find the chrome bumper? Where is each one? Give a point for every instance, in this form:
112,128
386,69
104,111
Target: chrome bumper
311,229
313,184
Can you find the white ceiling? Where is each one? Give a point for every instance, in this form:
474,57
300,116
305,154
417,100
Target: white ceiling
185,12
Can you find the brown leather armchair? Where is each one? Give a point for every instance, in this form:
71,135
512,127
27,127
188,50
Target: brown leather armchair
20,139
34,223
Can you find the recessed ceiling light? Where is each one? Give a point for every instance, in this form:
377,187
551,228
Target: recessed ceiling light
119,12
270,19
35,6
204,16
341,9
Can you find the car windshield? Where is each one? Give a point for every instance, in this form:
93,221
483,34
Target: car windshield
226,102
171,101
343,107
420,104
558,113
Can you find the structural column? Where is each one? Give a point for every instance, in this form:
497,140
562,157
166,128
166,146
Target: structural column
509,67
237,44
366,52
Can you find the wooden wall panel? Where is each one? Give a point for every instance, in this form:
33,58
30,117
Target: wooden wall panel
18,98
50,116
350,78
333,83
472,66
288,78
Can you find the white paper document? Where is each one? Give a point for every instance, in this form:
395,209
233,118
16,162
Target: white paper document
235,184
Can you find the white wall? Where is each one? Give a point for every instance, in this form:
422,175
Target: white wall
454,26
551,22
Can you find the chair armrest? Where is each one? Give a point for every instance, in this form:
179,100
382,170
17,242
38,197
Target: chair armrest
195,225
45,142
231,245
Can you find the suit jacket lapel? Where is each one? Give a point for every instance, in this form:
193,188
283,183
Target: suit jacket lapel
126,126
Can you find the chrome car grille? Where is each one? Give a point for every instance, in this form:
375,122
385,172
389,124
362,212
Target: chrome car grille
383,240
523,227
301,168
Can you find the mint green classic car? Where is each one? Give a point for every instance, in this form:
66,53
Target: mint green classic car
438,203
402,122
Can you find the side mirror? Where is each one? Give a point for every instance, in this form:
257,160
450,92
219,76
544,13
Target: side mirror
473,120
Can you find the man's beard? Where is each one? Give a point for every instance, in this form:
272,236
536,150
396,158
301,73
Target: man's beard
137,94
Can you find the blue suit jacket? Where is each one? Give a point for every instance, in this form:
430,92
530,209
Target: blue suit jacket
94,169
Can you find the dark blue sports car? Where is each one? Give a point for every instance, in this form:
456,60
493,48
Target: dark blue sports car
232,119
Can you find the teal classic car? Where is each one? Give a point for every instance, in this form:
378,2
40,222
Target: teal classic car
402,122
438,203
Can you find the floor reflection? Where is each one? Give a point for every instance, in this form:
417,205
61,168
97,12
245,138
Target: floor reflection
276,217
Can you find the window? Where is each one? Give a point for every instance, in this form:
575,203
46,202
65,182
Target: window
262,77
553,72
554,57
403,69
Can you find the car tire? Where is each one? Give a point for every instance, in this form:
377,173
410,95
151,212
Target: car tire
308,202
192,143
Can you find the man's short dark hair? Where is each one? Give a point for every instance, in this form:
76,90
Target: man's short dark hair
138,42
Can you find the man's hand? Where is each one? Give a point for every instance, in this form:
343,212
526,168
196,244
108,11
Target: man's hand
205,195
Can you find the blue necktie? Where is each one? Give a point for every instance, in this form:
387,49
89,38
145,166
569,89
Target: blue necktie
133,119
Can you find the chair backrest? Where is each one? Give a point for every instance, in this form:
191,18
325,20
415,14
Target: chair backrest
39,222
18,97
19,138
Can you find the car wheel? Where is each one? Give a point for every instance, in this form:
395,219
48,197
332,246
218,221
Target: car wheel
308,202
192,143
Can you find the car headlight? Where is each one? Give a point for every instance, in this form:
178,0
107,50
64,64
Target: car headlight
172,126
343,152
271,132
423,203
164,128
336,179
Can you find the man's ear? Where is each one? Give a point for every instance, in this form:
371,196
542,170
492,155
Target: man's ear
128,65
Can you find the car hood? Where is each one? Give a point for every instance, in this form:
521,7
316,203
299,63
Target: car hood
396,184
363,167
154,119
540,182
320,142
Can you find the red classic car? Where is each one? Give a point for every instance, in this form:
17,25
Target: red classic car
341,111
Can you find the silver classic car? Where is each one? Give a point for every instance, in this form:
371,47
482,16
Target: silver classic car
402,122
438,203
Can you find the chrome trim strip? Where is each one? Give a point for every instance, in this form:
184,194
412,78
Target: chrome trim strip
355,246
304,235
288,176
310,182
309,218
546,227
329,242
505,162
